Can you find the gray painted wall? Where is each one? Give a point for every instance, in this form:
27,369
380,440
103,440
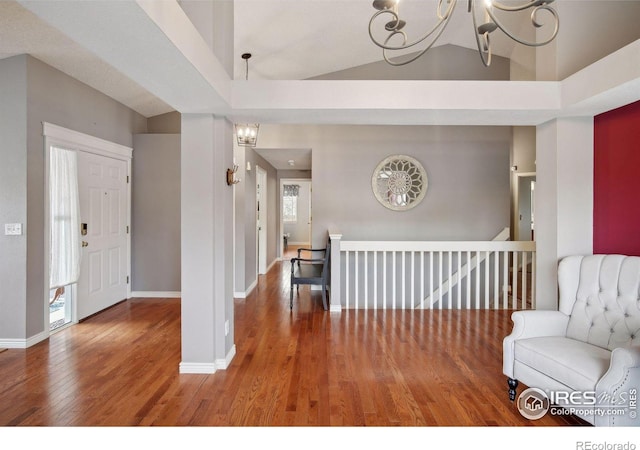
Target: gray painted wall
155,217
468,170
585,36
446,62
164,123
245,215
51,96
13,196
250,210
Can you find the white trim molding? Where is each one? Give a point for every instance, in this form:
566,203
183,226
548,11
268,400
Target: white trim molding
246,293
85,142
80,142
24,343
222,364
156,294
208,368
270,266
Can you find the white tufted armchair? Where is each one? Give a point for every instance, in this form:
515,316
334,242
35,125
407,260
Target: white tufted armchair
591,344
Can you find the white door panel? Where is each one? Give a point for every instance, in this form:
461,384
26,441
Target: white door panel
103,207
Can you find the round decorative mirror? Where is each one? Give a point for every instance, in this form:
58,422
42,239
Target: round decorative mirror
399,182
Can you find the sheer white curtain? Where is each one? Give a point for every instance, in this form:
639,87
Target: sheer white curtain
64,266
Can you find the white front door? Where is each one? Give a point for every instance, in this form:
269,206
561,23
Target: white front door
102,183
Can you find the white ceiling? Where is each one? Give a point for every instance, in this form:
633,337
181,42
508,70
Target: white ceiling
21,32
300,39
289,40
279,157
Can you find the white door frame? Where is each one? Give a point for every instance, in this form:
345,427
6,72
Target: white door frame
74,140
516,196
261,232
284,181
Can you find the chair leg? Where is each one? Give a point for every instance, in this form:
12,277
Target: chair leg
324,297
291,297
513,385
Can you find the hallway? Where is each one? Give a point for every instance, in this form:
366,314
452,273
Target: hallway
305,367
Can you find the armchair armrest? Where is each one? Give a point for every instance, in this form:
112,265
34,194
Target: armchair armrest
528,324
618,385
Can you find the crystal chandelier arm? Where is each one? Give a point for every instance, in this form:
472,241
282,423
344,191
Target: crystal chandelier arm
537,6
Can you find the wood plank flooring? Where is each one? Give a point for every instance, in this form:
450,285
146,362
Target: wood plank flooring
305,367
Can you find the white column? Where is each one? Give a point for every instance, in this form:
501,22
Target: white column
335,299
564,199
207,239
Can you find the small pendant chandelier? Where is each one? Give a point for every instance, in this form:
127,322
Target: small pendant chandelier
247,133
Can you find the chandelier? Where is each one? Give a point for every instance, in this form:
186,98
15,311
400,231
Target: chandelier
489,22
247,133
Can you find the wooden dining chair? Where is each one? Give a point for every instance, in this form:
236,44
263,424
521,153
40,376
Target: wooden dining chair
312,270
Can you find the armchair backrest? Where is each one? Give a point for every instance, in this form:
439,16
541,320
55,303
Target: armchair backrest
601,293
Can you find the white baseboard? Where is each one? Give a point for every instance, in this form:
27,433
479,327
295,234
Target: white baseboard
247,292
239,294
222,364
24,343
335,308
156,294
13,343
208,368
271,265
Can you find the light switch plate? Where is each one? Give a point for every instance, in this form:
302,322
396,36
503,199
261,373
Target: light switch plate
12,229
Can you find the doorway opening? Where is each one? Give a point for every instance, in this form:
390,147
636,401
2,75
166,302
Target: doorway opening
526,207
295,215
87,265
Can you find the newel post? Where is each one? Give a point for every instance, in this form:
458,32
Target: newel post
335,300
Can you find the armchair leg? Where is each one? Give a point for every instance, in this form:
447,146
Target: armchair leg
513,385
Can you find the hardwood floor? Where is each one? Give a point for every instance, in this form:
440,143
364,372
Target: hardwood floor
305,367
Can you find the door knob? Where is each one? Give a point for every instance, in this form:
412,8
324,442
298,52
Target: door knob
85,243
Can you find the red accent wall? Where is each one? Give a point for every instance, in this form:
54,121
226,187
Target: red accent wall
616,181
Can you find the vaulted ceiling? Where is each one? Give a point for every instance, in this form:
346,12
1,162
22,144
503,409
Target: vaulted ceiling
148,55
290,40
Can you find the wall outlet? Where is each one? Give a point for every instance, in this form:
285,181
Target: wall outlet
12,229
226,327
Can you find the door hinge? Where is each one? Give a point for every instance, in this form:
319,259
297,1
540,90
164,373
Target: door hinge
127,279
127,229
127,179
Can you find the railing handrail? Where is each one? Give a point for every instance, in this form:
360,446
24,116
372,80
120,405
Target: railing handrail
437,246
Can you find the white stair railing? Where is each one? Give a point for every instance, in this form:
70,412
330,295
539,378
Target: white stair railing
465,270
440,274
